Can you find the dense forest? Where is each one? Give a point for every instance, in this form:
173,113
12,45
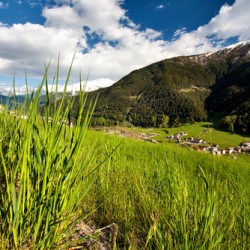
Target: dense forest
179,90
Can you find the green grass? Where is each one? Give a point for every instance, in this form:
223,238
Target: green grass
43,175
161,196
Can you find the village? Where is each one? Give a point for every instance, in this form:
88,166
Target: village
201,145
183,140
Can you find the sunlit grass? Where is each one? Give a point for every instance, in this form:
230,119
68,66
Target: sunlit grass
42,171
163,197
159,195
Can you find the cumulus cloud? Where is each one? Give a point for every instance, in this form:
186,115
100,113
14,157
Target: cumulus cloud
120,49
55,17
106,43
29,46
230,22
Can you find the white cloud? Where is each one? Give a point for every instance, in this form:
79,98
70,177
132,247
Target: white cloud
159,7
120,47
62,17
88,85
231,21
29,46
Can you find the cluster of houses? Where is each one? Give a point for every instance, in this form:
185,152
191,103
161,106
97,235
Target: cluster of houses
177,137
202,145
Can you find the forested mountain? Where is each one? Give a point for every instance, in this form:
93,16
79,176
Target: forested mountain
182,89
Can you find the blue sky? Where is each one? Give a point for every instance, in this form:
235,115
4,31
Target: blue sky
165,16
169,16
110,38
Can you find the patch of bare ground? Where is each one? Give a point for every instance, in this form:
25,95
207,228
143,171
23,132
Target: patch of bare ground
132,134
86,237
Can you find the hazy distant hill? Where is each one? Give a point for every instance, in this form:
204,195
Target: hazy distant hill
10,100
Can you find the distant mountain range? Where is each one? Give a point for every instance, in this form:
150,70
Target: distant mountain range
19,99
182,89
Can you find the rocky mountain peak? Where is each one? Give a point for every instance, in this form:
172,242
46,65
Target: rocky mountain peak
235,52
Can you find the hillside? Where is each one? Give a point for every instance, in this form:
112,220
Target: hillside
181,89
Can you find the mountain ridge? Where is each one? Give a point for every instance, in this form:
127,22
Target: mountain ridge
180,89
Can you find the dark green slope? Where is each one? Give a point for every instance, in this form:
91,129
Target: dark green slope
178,90
146,96
230,99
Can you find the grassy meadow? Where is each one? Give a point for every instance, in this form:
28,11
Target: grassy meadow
165,197
159,196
